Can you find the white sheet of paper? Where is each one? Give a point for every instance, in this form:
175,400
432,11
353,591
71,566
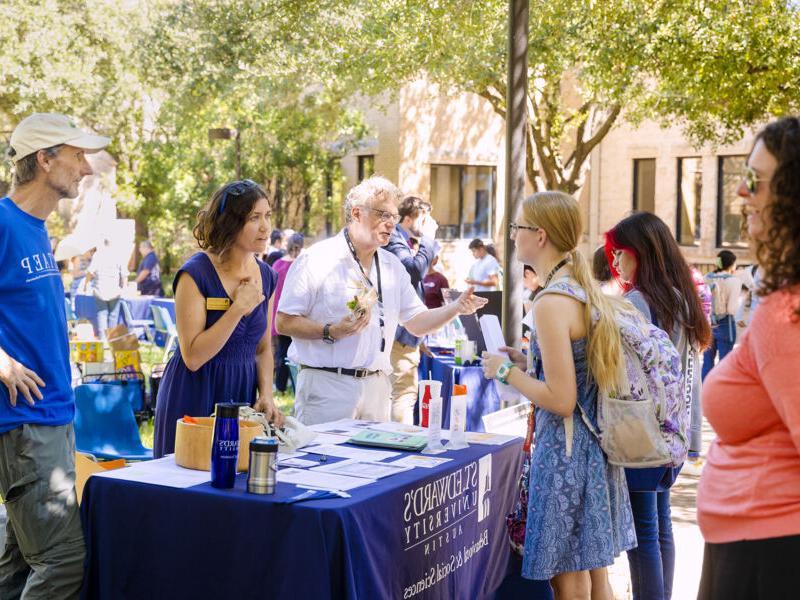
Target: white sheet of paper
349,452
393,427
368,470
319,479
492,334
419,460
300,463
287,455
163,471
328,438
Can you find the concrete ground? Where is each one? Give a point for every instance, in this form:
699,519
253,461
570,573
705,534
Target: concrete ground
688,541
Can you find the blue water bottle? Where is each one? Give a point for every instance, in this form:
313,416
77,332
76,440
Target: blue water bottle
225,446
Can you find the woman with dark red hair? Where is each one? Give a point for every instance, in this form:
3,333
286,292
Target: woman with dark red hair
647,261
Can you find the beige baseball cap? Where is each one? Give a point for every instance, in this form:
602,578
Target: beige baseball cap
44,130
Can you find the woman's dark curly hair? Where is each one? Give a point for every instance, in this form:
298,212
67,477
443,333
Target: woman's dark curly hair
779,254
224,215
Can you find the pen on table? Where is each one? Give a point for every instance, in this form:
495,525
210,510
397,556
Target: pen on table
339,493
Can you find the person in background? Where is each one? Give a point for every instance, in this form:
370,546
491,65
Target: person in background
416,223
579,516
646,258
275,250
148,275
281,343
341,304
530,287
601,271
221,307
44,549
484,274
748,499
79,265
725,291
694,461
749,298
433,284
108,277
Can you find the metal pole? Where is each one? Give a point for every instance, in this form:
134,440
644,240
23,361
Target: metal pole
516,124
238,157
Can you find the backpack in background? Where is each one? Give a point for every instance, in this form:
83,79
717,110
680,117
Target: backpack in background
719,303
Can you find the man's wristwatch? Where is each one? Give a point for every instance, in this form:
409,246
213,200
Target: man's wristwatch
503,371
326,334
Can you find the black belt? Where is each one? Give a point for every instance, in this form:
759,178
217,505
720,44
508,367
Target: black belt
357,373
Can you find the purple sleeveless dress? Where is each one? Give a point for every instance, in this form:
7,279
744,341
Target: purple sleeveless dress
230,376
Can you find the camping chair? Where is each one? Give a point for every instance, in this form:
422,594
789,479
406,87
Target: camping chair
137,326
163,324
104,423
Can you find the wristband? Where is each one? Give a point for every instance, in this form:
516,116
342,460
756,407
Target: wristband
503,372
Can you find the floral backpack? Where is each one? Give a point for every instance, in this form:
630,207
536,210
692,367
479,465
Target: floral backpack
646,424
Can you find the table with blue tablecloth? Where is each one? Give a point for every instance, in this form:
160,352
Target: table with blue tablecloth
423,533
482,396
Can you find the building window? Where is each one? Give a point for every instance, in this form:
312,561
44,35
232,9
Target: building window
366,166
644,184
730,221
463,200
690,190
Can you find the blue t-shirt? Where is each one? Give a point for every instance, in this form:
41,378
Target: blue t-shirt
33,324
150,285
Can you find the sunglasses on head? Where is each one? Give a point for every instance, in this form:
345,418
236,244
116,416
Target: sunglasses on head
751,179
237,188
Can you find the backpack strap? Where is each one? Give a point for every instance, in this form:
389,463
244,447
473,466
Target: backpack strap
566,286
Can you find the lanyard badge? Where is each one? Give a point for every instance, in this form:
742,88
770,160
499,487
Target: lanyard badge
379,289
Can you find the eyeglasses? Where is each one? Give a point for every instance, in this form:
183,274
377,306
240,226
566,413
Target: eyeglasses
385,216
751,179
513,228
237,188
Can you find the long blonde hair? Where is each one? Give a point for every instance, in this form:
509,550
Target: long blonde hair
559,215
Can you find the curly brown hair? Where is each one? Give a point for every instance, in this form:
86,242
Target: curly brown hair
224,215
779,254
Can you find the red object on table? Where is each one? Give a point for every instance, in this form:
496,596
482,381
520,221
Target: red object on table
425,407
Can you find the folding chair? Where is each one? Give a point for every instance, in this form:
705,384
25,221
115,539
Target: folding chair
137,326
104,422
163,324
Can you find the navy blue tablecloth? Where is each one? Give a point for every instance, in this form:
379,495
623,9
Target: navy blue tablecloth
425,533
482,396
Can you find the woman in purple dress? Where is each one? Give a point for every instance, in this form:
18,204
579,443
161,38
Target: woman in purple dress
221,305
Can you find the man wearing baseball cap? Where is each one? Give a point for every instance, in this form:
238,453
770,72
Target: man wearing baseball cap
44,551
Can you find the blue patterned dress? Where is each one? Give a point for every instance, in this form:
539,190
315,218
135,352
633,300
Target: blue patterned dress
579,514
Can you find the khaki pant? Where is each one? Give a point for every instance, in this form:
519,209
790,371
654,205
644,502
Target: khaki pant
323,397
44,551
405,364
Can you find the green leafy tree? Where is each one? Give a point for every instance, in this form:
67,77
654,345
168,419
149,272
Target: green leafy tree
714,66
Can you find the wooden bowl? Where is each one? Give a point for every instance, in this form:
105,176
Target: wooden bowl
193,443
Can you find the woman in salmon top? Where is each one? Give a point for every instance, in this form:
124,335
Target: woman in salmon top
748,502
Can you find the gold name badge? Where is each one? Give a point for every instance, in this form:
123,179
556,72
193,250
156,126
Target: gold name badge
218,303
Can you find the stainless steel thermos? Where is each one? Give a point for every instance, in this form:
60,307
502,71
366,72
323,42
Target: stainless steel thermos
263,465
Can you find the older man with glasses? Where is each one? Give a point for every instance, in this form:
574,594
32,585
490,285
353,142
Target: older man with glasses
342,302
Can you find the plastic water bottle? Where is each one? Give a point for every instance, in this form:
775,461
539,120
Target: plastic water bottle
458,418
225,446
434,426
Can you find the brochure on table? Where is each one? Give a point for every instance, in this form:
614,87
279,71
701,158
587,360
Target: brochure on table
306,467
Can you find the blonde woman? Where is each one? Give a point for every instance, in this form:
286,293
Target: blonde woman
579,515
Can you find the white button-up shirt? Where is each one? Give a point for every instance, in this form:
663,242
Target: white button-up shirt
318,286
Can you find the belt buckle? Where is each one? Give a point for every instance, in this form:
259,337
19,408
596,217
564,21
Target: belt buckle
360,373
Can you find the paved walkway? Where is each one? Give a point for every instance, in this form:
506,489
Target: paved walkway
688,541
